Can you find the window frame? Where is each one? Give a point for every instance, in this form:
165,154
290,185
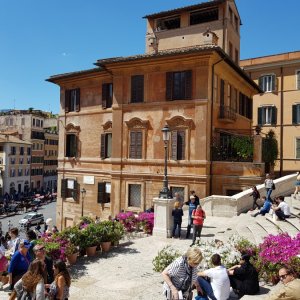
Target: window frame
104,145
107,95
265,86
103,197
179,85
142,196
69,149
72,100
263,116
137,88
67,192
296,114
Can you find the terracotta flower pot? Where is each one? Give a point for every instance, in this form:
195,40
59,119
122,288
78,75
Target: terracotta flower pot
72,258
105,246
91,251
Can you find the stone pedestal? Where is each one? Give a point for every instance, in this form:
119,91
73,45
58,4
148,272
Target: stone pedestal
257,151
163,221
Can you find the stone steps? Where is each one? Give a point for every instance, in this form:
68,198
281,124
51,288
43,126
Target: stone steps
284,226
258,231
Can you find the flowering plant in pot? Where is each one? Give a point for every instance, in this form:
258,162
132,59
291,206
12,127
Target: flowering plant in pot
129,221
71,253
90,239
105,231
146,221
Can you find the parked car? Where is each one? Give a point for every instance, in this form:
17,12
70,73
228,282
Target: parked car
32,219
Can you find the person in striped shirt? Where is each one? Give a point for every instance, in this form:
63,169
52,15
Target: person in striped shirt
181,274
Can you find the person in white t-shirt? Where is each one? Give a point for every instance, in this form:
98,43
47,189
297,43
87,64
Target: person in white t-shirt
219,279
282,211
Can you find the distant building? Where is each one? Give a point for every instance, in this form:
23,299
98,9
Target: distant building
278,107
29,124
15,155
111,152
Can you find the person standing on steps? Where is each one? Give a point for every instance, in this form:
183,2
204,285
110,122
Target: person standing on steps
269,186
198,216
255,194
177,214
297,185
192,206
197,200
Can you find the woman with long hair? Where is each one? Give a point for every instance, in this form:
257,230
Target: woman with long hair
59,288
31,283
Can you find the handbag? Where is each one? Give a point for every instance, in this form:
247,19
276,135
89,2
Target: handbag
273,186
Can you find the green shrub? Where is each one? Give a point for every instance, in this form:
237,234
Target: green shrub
164,257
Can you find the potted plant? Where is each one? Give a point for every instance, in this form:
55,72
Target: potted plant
71,253
117,233
105,233
90,239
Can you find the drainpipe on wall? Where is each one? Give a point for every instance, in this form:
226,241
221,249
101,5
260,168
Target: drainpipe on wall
211,120
281,125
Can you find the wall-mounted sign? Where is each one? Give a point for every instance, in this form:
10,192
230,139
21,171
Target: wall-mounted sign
89,179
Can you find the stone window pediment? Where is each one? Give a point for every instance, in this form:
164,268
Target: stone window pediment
137,123
71,128
180,122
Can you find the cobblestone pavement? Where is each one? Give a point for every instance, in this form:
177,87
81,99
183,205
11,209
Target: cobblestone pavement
126,273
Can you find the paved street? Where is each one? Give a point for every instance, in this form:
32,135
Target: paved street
47,210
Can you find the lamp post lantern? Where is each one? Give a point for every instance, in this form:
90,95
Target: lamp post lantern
83,193
165,193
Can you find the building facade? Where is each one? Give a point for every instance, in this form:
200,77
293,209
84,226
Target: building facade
111,152
50,160
30,124
15,157
278,107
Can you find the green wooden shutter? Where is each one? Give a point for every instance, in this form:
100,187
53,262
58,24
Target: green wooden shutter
63,190
101,192
298,80
294,114
174,144
274,86
188,84
77,107
137,88
169,86
222,86
297,148
260,116
67,100
274,115
103,146
104,95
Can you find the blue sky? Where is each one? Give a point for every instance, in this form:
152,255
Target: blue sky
43,38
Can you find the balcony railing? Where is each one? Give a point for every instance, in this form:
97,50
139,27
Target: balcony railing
224,148
227,113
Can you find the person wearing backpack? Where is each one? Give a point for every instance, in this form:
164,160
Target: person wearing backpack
198,216
31,285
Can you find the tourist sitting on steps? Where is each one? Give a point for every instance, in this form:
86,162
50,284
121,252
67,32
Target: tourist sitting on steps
288,288
181,274
244,277
219,280
265,209
282,210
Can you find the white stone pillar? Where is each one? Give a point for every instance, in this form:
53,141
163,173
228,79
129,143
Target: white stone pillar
163,221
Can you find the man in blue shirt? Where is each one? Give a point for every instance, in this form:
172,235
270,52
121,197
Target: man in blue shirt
19,263
265,209
192,205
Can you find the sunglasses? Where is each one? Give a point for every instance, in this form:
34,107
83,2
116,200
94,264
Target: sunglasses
283,276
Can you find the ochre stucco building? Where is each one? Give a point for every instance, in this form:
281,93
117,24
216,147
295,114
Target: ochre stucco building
278,107
111,152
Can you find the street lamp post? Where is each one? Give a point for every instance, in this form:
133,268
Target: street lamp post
83,193
165,193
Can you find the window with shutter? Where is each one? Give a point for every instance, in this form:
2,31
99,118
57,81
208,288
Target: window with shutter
296,114
107,95
101,192
178,144
105,148
179,85
273,120
136,144
72,100
71,145
267,83
137,88
267,115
